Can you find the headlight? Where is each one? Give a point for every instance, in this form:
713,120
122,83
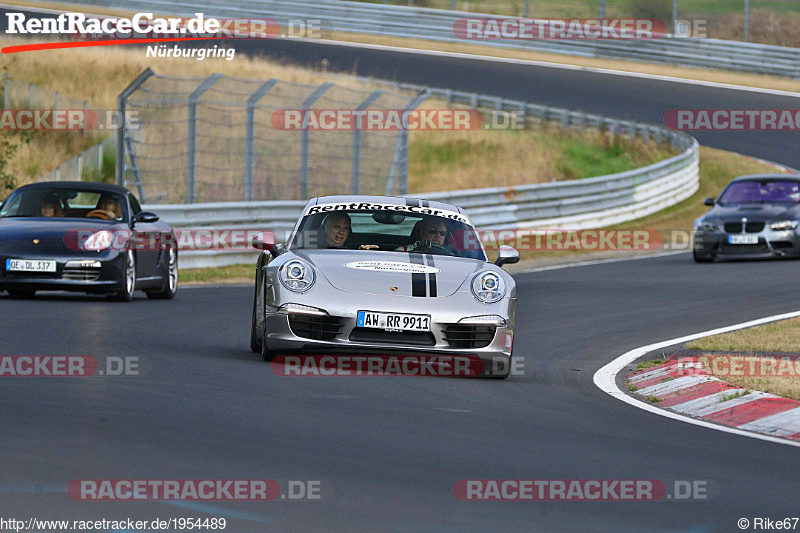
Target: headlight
706,226
98,241
296,276
784,225
488,287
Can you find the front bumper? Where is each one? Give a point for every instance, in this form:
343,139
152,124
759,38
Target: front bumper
770,244
75,272
338,333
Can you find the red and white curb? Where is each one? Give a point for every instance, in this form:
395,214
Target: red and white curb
685,386
775,427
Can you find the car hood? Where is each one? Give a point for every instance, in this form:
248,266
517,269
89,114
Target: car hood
755,212
400,273
17,234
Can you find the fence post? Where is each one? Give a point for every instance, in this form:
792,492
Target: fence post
191,135
122,104
80,167
100,159
250,134
6,98
316,95
31,100
355,184
85,117
402,182
58,100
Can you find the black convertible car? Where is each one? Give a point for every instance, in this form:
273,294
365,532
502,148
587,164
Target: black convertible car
88,237
755,216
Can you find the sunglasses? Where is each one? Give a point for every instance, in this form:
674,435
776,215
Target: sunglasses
433,231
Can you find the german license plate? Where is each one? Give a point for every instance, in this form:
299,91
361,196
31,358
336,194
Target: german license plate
395,321
30,265
743,239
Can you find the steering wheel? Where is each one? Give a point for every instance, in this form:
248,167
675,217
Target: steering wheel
102,214
437,247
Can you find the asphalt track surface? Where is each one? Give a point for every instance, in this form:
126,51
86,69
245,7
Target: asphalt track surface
389,450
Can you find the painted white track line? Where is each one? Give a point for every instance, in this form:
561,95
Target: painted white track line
605,378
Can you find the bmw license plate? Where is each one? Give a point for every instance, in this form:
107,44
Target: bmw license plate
396,321
743,239
30,265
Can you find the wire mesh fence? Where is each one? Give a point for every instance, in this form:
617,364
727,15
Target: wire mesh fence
216,139
95,163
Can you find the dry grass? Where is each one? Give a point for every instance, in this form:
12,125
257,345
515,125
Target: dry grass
783,336
501,158
782,378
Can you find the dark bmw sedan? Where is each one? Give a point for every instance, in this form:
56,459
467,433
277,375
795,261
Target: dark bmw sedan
755,216
88,237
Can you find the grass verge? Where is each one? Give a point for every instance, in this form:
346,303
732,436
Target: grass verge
777,375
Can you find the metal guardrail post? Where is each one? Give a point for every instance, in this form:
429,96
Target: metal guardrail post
6,97
249,136
191,135
355,184
316,95
31,99
122,104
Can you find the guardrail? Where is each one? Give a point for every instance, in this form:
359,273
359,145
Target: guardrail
579,204
437,25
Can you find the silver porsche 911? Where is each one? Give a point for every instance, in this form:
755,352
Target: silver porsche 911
384,275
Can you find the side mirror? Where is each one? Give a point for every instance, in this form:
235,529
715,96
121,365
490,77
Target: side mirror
506,255
145,217
264,241
708,201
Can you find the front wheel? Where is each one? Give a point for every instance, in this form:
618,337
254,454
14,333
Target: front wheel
702,258
255,346
21,293
129,279
171,279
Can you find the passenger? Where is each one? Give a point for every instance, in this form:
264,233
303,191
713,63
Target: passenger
49,207
427,232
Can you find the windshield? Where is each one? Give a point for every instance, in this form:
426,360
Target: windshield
65,203
761,192
388,231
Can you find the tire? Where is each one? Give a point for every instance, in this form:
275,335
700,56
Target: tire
702,258
21,293
504,375
129,280
255,346
265,352
171,281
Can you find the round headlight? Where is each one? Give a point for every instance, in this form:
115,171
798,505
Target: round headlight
297,276
488,287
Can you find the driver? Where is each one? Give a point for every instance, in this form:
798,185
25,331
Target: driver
109,203
337,230
428,231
